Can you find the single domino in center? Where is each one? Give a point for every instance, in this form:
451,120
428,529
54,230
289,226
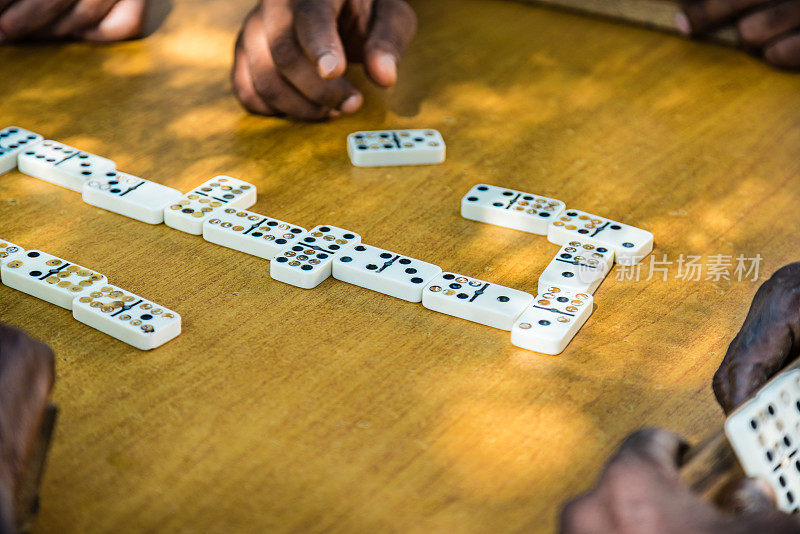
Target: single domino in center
396,147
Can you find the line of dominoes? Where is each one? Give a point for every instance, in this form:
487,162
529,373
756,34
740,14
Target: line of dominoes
87,293
218,210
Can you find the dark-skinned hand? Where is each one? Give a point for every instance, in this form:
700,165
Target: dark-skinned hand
291,55
640,492
767,27
88,20
26,378
768,340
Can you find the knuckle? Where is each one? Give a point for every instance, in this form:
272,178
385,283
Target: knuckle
249,100
754,29
621,469
582,514
53,8
697,12
573,513
14,27
787,55
718,381
311,115
265,86
312,8
787,273
330,94
643,437
284,52
784,284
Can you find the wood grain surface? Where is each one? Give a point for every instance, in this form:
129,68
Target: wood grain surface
340,409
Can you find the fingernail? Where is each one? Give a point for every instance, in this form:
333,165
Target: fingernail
327,64
352,103
334,114
682,23
388,63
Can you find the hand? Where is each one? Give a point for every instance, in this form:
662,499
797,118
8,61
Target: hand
89,20
291,54
26,378
640,492
768,340
768,27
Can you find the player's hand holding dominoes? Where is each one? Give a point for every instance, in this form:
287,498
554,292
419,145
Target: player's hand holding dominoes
768,340
26,378
89,20
640,491
291,54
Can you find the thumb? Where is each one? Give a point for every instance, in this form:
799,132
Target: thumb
748,495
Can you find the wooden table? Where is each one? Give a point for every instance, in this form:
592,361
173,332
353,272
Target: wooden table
340,409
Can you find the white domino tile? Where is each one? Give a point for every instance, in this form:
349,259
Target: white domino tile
579,266
188,213
62,165
9,251
384,271
307,262
551,321
765,434
14,140
475,300
510,208
130,196
127,317
395,147
49,278
630,244
249,232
